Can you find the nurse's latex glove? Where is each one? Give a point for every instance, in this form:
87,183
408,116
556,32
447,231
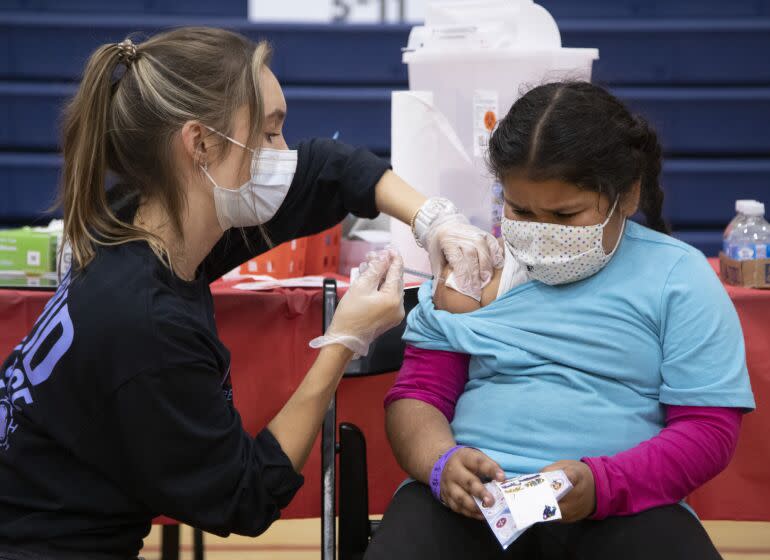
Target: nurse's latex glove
471,253
373,304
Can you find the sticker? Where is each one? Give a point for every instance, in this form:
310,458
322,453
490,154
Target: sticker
522,501
485,113
532,501
499,517
560,484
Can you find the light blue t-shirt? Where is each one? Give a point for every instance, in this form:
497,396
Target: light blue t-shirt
583,369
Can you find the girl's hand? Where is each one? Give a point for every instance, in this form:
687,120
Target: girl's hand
580,502
460,481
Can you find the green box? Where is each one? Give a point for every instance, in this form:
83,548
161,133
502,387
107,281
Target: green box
26,250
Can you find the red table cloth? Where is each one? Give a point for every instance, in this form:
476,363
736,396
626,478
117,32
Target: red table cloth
268,332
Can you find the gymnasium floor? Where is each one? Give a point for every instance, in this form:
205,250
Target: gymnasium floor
298,540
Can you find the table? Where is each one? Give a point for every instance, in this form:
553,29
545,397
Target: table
742,491
268,332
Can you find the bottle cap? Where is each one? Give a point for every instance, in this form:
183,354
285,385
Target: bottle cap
750,207
739,204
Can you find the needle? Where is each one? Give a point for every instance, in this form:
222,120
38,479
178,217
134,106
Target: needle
417,273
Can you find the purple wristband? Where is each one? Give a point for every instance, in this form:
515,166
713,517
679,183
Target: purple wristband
438,468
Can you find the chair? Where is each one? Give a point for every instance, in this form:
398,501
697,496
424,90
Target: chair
386,354
169,540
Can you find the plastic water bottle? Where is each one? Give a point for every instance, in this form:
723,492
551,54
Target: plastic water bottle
748,235
739,218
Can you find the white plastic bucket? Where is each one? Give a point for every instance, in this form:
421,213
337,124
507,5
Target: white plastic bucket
477,68
453,78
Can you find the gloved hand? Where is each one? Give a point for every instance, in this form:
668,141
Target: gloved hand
373,304
472,253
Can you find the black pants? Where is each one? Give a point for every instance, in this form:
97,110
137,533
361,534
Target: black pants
416,526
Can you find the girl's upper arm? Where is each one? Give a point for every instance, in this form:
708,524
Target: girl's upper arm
449,299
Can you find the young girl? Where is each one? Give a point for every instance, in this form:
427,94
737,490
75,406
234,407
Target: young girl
604,348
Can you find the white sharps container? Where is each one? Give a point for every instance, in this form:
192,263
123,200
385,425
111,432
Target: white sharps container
476,57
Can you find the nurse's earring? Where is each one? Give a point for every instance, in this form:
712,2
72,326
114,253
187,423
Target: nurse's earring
205,168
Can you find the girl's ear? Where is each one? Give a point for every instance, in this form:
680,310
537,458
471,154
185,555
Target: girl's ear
629,204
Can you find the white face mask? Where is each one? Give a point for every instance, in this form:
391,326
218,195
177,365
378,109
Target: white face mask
557,254
258,199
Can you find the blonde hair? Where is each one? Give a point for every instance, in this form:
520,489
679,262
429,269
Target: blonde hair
125,125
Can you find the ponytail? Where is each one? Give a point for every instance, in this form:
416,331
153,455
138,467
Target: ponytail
651,195
125,124
88,219
84,144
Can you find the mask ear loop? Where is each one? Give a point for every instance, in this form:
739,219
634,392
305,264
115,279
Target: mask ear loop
205,165
205,169
612,211
233,140
622,229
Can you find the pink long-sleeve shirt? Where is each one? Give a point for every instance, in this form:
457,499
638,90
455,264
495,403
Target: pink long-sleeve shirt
694,446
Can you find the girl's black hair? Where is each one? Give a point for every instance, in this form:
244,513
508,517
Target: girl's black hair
581,134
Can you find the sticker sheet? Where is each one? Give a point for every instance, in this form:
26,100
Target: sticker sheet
522,501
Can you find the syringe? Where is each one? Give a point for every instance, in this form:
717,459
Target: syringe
417,273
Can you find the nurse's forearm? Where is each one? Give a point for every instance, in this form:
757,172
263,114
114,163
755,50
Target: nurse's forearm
395,197
296,425
419,434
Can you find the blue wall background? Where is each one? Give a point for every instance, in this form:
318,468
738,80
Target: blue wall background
699,70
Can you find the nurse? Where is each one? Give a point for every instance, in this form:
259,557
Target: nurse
117,405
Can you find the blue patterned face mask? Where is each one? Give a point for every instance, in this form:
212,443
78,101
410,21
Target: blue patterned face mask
558,254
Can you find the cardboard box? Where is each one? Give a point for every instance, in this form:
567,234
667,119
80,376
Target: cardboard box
750,274
27,250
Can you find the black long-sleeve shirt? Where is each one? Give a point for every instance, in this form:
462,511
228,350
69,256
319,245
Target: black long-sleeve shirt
117,406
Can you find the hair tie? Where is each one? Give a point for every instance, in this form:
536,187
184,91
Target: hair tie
127,52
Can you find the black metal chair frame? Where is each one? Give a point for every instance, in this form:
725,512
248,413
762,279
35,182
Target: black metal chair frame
170,543
355,528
